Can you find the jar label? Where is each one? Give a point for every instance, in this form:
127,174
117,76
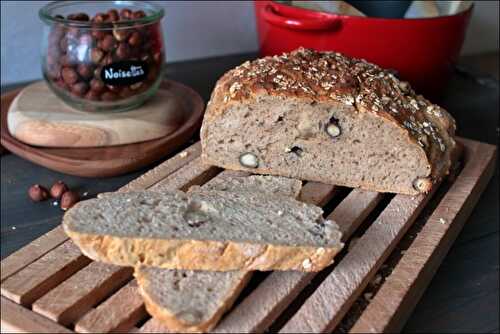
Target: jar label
124,73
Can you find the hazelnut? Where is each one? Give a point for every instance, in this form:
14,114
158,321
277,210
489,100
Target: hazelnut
113,15
97,72
114,89
125,14
108,43
138,14
123,51
37,193
100,18
58,189
107,60
422,184
108,96
249,160
78,17
120,34
79,88
135,39
126,92
96,55
96,86
69,75
333,128
85,71
92,95
68,199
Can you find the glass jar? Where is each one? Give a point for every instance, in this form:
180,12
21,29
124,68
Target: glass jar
103,55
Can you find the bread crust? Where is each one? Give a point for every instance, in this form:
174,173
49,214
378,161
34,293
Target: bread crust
202,254
175,323
332,77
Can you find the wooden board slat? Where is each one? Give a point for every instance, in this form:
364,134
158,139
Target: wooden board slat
41,276
333,297
194,173
119,313
279,289
80,292
31,252
170,166
16,318
349,214
401,291
154,326
316,193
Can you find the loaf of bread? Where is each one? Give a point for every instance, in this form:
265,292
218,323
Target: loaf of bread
204,230
324,117
194,301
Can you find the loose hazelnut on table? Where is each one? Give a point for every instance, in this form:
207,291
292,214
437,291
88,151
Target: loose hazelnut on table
58,189
68,199
37,193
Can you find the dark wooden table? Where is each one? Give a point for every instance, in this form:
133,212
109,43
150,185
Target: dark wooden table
464,294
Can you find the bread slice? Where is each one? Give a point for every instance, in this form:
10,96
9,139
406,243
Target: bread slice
324,117
204,230
194,301
186,300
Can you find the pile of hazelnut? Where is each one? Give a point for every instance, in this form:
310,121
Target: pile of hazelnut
76,54
58,191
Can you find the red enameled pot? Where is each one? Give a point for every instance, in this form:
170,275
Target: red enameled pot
423,51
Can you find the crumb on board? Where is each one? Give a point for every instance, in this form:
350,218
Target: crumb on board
183,154
442,221
368,295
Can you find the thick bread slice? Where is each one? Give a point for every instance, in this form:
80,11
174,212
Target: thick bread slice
324,117
194,301
204,230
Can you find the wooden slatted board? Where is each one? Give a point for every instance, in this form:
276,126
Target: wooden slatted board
49,286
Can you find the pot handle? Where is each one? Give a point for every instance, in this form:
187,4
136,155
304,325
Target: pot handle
317,21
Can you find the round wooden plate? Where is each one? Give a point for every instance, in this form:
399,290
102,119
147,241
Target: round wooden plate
114,160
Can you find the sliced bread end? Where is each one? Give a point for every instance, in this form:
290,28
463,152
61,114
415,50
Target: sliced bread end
154,284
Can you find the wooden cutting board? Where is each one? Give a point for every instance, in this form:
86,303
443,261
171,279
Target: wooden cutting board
114,160
38,117
394,245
